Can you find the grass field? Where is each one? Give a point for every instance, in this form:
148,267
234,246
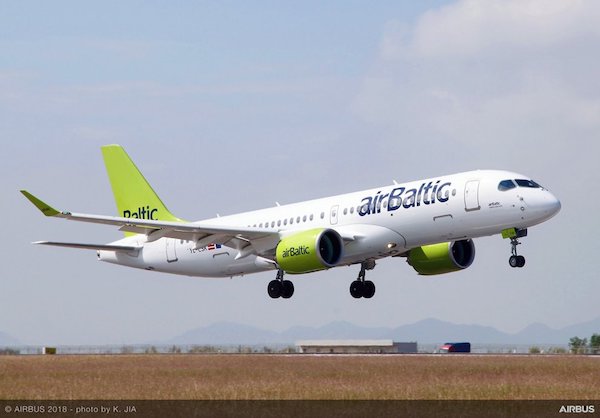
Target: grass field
253,377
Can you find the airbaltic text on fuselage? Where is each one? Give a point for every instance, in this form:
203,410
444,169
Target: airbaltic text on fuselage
427,194
141,213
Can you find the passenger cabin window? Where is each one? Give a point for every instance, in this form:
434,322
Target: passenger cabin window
528,183
506,185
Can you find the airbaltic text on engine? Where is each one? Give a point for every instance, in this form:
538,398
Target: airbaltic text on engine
399,197
294,251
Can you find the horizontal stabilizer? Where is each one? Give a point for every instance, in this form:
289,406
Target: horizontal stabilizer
102,247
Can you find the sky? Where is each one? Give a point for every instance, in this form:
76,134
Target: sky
230,106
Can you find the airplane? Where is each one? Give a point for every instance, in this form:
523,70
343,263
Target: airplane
431,223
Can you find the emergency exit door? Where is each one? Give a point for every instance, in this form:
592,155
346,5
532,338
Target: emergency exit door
334,215
171,250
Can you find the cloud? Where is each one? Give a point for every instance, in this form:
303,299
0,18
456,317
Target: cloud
481,74
473,27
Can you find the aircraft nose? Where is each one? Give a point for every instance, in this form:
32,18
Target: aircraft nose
543,206
552,204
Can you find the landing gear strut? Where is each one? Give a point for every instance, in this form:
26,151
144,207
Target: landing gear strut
516,260
361,288
280,288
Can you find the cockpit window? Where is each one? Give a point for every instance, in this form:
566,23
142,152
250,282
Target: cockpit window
528,183
506,185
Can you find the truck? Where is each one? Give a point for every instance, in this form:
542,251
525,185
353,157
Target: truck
456,348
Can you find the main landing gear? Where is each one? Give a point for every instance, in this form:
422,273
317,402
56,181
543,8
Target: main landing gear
361,288
516,260
280,288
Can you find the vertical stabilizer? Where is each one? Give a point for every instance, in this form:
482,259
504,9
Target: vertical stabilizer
134,196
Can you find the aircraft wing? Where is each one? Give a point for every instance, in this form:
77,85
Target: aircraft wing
203,234
107,247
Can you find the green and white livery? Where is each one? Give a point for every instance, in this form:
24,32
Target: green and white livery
431,223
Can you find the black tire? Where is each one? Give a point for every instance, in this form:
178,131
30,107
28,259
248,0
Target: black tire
520,261
368,289
356,289
513,261
287,289
275,289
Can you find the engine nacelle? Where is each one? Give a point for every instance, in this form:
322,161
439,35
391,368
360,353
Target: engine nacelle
443,257
311,250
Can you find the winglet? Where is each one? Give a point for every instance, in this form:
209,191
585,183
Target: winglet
45,208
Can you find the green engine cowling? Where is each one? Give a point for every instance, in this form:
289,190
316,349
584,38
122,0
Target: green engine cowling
444,257
307,251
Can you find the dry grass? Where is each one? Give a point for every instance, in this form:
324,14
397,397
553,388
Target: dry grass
298,377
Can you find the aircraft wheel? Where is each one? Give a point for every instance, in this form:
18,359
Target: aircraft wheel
287,289
520,261
275,289
513,261
368,289
356,289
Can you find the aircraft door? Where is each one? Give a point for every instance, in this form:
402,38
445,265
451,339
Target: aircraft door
334,214
472,195
171,250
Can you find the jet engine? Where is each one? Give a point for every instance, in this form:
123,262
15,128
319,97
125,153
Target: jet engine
443,257
307,251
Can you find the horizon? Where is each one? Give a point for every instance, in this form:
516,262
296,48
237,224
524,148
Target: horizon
221,324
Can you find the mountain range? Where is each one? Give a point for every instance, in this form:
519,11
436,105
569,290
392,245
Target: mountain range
424,331
427,331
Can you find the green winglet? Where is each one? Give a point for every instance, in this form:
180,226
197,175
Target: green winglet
42,206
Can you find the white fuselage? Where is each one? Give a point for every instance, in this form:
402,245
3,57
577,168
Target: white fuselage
375,223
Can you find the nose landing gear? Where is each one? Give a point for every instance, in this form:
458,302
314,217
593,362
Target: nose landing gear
514,234
515,260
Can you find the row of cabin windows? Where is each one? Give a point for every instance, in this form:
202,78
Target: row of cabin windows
299,219
291,221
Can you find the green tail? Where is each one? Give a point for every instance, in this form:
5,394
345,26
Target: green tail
134,196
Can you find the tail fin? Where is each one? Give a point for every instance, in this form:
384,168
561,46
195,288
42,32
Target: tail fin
134,196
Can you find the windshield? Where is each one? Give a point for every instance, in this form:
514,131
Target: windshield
506,185
528,183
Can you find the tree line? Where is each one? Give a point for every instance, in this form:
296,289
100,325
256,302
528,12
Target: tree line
581,346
